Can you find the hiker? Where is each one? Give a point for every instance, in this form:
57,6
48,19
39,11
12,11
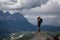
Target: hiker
39,23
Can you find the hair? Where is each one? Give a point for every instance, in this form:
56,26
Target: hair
38,17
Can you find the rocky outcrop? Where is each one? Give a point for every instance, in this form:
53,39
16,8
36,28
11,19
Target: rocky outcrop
41,36
57,37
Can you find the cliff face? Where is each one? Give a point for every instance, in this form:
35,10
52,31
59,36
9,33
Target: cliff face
41,36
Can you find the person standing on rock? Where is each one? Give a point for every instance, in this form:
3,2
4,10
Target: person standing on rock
39,23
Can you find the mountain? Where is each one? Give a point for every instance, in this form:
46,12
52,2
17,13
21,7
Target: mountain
50,28
14,23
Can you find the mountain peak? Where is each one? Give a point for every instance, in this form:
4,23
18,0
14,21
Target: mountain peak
41,36
14,22
1,11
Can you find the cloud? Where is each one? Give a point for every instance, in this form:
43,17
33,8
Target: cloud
57,1
52,7
49,12
20,4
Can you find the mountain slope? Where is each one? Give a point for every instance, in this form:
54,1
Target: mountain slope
14,23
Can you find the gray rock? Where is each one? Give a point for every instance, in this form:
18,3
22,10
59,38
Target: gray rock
41,36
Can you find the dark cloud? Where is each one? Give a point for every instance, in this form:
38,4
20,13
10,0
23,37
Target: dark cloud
20,4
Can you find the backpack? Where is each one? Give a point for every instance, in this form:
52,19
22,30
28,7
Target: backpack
41,20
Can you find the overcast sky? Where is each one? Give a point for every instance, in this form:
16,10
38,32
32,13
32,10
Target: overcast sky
48,10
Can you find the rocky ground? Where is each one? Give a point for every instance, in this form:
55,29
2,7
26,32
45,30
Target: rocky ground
33,36
42,36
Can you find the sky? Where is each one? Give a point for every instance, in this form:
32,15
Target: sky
48,10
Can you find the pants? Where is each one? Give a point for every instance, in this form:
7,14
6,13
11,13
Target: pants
39,26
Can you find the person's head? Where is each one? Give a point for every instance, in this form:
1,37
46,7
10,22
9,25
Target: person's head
38,17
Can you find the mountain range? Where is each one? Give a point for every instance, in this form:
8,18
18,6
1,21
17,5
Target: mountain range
14,23
50,28
17,22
